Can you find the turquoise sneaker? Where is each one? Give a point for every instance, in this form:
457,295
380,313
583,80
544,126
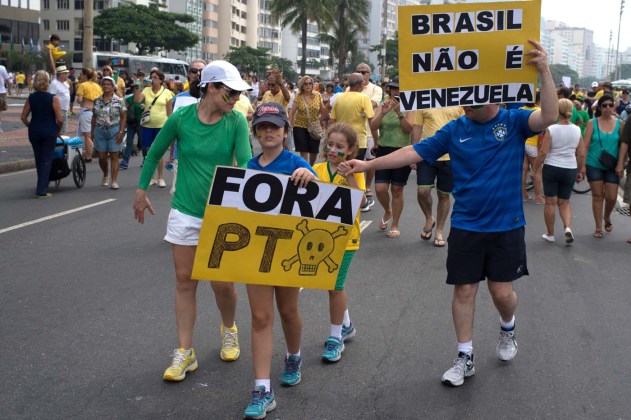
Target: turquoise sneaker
262,403
334,349
291,374
348,332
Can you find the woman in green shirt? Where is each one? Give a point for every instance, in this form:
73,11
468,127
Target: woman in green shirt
209,133
394,133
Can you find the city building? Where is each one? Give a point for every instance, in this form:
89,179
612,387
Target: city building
240,29
19,23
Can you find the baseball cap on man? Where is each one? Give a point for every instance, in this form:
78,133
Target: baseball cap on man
594,84
394,83
270,112
220,71
62,69
109,79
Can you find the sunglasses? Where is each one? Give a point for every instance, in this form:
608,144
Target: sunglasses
231,92
194,70
308,83
364,72
607,105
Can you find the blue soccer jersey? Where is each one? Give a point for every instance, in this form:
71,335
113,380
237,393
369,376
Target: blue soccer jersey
486,161
285,163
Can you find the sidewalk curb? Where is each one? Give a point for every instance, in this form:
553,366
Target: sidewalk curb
18,165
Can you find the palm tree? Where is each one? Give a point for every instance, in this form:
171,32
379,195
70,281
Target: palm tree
295,14
349,14
333,37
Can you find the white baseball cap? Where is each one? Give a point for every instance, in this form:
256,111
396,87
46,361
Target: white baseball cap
594,84
220,71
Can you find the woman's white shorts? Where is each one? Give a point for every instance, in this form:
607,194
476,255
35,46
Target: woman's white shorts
182,229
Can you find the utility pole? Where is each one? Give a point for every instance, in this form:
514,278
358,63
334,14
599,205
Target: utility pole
608,66
88,32
617,72
384,40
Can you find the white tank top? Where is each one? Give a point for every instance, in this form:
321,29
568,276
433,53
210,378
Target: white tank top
564,141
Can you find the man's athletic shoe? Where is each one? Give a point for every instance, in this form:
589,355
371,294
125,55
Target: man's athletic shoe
123,164
368,204
262,403
333,350
463,368
348,332
291,374
507,346
229,344
180,364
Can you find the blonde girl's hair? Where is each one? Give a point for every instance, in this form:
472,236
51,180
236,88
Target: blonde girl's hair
565,108
302,81
41,81
348,132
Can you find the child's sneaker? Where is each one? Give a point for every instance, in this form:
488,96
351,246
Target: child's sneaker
180,364
334,349
291,374
262,403
348,332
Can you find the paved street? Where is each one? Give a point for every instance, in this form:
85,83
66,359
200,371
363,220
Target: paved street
88,326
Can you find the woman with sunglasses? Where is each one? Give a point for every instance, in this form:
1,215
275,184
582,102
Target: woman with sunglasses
308,108
603,134
209,133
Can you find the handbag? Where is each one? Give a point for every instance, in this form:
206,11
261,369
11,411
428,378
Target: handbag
606,159
145,117
315,128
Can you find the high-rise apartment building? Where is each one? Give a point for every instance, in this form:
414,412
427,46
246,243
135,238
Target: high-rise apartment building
238,24
20,20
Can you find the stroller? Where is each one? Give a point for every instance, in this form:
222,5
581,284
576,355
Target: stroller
61,158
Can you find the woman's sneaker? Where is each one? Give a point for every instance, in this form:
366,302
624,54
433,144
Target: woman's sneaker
463,368
569,236
229,344
334,349
291,374
262,403
180,364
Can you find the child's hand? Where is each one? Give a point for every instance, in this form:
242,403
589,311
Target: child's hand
301,177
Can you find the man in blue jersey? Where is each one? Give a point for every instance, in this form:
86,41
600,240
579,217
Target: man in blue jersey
486,240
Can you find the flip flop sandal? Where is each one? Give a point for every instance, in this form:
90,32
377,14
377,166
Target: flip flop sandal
393,233
597,234
608,226
439,242
384,224
426,235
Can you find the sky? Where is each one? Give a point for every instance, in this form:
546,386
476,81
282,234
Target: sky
600,16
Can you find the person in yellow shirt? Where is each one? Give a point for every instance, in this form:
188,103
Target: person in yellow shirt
87,92
276,90
20,78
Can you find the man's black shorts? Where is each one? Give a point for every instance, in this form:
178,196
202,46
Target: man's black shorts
476,256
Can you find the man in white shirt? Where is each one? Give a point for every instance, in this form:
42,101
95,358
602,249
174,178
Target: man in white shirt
4,80
59,87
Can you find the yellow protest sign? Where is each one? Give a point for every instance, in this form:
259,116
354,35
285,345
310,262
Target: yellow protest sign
467,54
259,228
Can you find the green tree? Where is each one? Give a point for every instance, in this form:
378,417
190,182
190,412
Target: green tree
249,60
148,27
334,38
392,55
349,14
560,70
297,14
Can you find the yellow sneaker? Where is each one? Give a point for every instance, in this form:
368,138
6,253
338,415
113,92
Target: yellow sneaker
180,364
229,344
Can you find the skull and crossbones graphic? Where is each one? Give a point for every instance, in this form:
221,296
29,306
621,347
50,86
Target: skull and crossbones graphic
314,248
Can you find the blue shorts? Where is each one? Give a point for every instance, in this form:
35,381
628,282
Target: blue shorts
439,172
597,174
105,139
558,182
148,136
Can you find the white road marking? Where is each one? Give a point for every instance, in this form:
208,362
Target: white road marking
54,216
364,224
17,173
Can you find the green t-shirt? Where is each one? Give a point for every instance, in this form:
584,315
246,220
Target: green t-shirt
134,110
200,148
390,132
585,116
